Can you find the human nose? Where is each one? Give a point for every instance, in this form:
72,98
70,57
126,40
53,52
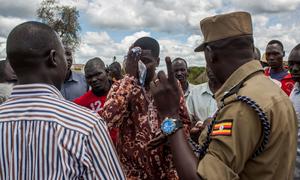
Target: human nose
94,79
270,58
179,72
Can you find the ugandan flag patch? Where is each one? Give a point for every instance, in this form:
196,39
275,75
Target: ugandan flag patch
222,128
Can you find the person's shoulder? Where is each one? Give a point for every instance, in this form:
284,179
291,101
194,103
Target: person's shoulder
288,77
76,117
199,88
264,91
126,82
80,100
78,75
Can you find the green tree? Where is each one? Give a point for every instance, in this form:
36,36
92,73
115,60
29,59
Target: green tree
197,75
63,19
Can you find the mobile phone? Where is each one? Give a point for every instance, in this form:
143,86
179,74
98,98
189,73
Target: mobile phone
142,69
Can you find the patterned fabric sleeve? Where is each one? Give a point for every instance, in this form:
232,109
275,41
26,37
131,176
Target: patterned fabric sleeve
115,107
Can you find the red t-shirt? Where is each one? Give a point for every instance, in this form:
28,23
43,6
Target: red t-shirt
287,83
95,103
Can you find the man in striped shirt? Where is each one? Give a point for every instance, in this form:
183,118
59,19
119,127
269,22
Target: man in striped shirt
42,135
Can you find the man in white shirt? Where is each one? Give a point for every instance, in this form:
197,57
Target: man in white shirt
199,98
181,73
294,67
201,103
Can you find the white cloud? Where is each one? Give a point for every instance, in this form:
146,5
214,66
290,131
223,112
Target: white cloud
184,50
2,48
163,15
129,40
19,8
272,6
288,35
8,23
100,44
174,22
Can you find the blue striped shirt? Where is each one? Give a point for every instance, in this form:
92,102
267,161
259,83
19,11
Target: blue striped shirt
44,136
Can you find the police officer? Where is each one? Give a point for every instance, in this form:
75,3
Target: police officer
254,132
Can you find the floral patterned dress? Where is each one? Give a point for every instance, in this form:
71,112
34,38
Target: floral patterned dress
130,108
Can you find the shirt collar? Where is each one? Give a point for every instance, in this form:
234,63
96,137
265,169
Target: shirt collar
188,91
296,88
205,89
73,77
26,90
237,76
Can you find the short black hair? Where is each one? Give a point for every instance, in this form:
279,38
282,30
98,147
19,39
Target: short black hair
274,41
116,65
180,59
148,43
94,62
296,48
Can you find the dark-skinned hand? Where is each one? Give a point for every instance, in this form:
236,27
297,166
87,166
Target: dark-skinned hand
166,93
131,64
157,141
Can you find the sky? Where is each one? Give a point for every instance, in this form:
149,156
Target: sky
109,27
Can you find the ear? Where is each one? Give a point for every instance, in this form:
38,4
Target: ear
52,61
283,53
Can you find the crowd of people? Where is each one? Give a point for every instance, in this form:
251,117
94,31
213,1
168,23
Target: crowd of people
56,123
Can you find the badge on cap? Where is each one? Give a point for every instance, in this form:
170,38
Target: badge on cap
222,128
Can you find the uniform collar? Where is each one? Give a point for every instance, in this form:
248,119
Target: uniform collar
26,90
236,77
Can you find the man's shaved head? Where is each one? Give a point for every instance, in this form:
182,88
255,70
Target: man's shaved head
180,60
30,41
95,62
96,76
36,54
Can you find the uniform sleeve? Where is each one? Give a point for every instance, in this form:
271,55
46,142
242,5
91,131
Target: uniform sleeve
116,104
100,157
228,152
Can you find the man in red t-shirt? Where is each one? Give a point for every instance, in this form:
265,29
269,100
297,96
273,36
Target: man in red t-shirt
274,55
96,76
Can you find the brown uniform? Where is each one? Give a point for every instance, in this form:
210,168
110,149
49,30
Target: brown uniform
238,133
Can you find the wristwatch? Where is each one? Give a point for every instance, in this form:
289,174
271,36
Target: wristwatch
170,126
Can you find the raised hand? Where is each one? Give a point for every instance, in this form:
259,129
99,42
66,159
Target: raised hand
165,92
131,64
